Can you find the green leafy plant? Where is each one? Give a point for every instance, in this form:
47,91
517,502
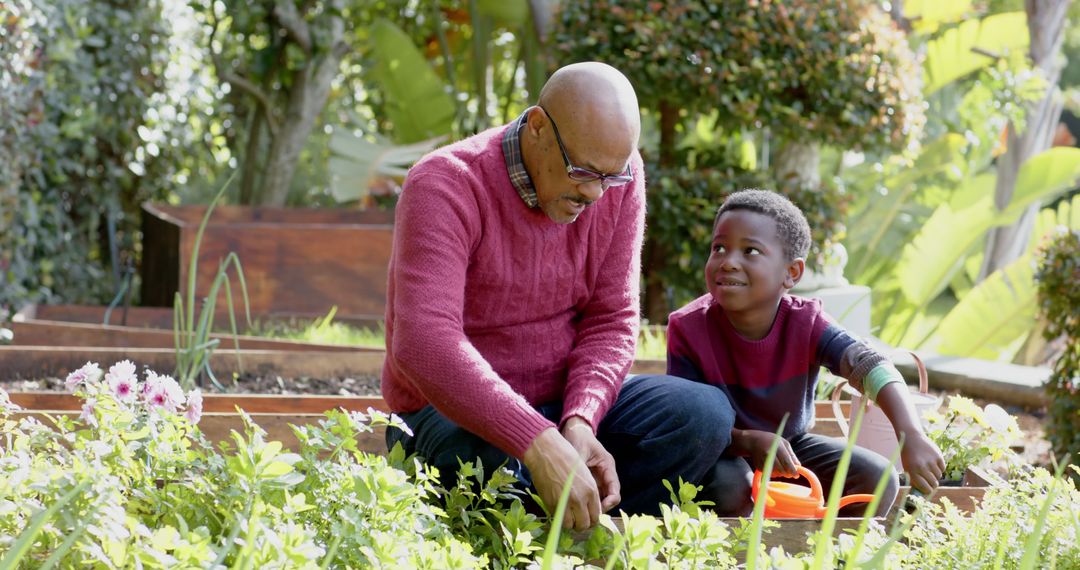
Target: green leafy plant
1057,277
192,337
134,483
969,435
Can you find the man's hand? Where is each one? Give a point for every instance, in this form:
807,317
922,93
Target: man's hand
755,445
551,459
922,461
600,463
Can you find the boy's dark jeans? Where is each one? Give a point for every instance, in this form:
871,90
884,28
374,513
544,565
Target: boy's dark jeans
731,477
660,428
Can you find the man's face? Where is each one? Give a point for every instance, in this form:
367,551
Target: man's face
570,179
747,271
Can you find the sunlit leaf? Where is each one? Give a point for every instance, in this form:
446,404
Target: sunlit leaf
951,56
417,100
994,315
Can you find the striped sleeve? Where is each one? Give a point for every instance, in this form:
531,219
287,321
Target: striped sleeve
850,358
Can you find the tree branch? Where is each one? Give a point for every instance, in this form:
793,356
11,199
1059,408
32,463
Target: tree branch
286,15
236,80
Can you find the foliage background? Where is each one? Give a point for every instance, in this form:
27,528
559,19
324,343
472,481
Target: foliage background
96,122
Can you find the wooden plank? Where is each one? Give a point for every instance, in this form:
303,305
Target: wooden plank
19,362
36,332
143,317
162,317
966,499
823,409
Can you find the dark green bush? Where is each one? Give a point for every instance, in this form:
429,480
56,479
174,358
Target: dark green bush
835,72
80,97
1058,277
682,205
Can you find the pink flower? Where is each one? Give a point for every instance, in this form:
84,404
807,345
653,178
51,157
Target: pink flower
194,406
122,380
87,414
162,392
88,373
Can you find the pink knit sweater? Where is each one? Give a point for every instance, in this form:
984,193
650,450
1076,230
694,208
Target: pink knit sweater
493,308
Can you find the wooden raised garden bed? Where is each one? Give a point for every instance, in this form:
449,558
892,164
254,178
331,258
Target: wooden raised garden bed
296,261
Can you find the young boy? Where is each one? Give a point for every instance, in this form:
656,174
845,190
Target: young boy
763,348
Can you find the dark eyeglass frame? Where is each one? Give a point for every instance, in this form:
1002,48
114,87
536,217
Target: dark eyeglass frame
583,175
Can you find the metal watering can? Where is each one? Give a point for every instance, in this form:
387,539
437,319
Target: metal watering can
792,501
876,432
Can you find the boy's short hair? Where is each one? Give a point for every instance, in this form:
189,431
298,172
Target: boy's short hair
791,224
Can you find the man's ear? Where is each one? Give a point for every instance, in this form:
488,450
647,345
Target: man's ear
536,121
795,271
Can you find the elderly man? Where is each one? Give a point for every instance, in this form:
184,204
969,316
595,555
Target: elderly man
512,310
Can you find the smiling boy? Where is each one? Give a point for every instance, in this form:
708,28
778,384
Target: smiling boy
763,348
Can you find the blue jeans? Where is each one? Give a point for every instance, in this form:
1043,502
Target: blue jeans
731,477
660,428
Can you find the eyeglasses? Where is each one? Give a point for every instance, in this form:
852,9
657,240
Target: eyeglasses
580,174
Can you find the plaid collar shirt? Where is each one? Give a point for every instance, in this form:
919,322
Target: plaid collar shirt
515,163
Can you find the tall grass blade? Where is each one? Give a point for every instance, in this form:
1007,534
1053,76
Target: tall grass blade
64,547
871,508
758,518
1034,539
552,543
823,549
26,539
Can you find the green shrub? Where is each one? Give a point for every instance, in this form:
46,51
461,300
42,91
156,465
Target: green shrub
682,205
835,72
90,128
1058,276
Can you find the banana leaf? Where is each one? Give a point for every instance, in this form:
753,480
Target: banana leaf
994,316
1066,214
929,15
883,226
417,100
356,162
928,263
950,56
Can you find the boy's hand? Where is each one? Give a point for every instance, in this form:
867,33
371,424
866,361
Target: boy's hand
922,461
754,445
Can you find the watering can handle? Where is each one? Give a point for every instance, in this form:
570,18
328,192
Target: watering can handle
815,483
842,420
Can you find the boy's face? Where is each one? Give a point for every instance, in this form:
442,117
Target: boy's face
747,272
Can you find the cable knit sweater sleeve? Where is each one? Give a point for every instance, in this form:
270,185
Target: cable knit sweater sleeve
430,347
607,333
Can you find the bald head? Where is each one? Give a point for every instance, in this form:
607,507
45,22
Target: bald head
594,104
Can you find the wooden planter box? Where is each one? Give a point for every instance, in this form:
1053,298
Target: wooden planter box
299,262
26,362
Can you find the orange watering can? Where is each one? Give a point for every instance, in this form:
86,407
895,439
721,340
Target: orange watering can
791,501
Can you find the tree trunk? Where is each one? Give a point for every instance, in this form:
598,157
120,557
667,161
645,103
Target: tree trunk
1046,25
655,254
798,164
250,171
307,97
